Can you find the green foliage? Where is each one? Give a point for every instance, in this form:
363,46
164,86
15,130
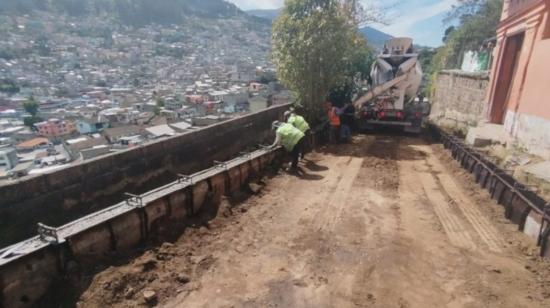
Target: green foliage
8,86
316,49
160,102
31,106
157,110
341,95
425,57
358,69
267,78
477,21
362,57
30,121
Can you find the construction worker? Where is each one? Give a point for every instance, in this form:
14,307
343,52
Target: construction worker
297,121
291,138
335,122
300,123
348,122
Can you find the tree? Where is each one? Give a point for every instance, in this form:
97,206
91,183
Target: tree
477,21
8,86
448,33
160,102
31,107
157,110
314,45
358,69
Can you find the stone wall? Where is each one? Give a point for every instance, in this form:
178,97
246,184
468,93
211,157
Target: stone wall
459,99
68,194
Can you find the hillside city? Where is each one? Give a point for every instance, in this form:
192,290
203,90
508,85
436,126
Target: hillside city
274,153
102,87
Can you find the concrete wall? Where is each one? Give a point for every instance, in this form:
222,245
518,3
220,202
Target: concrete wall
459,98
530,132
65,195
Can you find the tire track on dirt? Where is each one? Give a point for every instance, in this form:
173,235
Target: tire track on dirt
482,226
339,198
479,222
456,231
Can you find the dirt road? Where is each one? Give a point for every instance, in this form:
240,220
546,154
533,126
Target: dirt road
388,221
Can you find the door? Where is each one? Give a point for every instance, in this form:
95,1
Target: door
507,75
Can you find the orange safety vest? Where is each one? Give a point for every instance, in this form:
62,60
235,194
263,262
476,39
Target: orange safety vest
333,117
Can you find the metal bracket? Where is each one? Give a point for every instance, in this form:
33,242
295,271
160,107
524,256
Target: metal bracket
545,212
134,200
48,234
522,187
185,179
503,171
11,252
219,164
245,154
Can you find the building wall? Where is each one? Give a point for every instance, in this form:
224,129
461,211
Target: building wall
459,99
70,193
56,128
527,118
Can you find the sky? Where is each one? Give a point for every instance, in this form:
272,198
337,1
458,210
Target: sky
420,19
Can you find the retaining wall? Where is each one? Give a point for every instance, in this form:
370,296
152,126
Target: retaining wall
523,207
459,99
59,197
30,269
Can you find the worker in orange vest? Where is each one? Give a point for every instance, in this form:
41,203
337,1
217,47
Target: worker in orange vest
335,122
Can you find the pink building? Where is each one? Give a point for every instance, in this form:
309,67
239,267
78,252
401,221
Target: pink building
55,128
520,77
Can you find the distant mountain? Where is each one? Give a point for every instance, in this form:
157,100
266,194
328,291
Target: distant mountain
266,14
375,37
132,12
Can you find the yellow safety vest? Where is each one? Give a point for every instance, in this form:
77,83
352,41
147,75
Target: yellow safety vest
289,136
299,122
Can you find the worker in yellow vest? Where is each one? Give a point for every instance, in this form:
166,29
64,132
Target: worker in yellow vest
291,138
297,121
300,123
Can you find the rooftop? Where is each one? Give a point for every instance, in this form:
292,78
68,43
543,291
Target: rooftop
33,143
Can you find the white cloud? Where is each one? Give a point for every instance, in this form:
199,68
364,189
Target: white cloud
403,16
258,4
403,24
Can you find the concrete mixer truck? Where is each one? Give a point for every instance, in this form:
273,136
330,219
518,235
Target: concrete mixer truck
393,98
